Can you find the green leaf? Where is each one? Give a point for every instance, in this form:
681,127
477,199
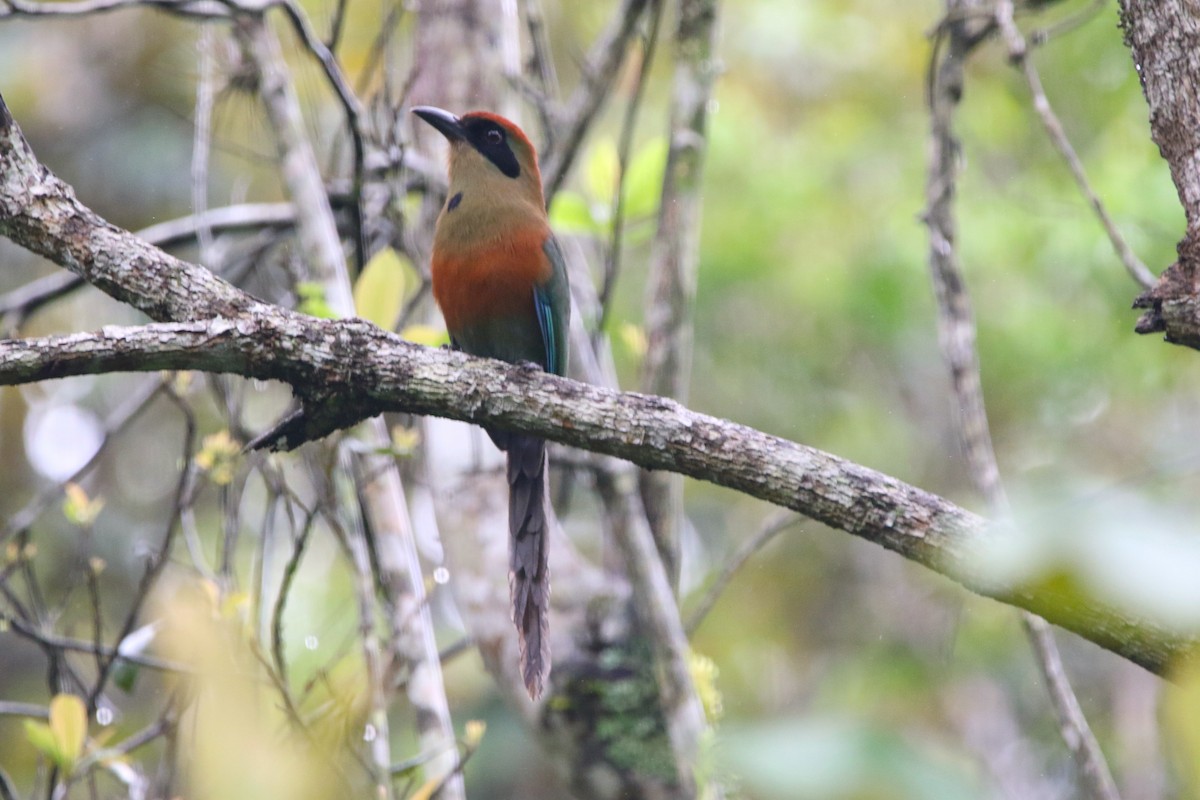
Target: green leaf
381,287
644,179
570,213
68,724
312,300
426,335
125,676
602,170
42,738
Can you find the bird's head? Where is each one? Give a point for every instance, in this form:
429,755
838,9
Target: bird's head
489,155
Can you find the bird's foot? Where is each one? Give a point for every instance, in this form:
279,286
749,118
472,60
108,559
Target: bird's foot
530,366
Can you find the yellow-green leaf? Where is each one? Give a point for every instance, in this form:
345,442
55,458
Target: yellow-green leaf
218,457
68,724
42,738
473,733
381,287
405,440
570,213
427,789
704,678
644,178
78,508
633,337
312,300
426,335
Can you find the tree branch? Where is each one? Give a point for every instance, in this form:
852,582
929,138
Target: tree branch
370,370
1164,39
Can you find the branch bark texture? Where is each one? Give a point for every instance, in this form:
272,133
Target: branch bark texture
378,371
1164,39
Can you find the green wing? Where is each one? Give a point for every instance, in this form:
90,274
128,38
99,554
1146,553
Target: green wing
552,301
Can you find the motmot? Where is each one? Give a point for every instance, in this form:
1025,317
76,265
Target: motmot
501,282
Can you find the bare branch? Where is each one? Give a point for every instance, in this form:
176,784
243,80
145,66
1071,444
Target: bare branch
612,265
80,646
776,524
598,74
1018,52
203,9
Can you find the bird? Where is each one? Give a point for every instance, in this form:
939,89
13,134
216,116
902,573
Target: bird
500,280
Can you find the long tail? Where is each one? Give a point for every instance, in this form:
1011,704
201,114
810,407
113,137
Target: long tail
529,571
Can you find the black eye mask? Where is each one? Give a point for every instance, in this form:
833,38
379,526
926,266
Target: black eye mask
482,135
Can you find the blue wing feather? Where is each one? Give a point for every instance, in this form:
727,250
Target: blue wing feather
552,304
545,318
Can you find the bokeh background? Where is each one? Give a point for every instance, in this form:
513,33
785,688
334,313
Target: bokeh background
843,670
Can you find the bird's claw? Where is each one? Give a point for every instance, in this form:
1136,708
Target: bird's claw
529,366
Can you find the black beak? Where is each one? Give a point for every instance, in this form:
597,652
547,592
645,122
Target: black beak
449,125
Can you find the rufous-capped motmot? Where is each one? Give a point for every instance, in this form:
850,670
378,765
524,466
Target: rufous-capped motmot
501,282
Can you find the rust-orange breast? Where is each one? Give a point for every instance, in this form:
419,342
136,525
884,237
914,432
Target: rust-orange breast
490,279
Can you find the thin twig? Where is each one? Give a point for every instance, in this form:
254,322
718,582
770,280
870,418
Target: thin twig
1065,26
25,300
379,46
93,587
14,709
541,65
597,77
285,586
8,791
202,140
339,494
612,265
336,26
160,727
776,524
1018,53
315,227
54,641
355,115
159,559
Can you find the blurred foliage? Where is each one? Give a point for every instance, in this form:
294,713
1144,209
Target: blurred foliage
382,287
843,672
63,737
